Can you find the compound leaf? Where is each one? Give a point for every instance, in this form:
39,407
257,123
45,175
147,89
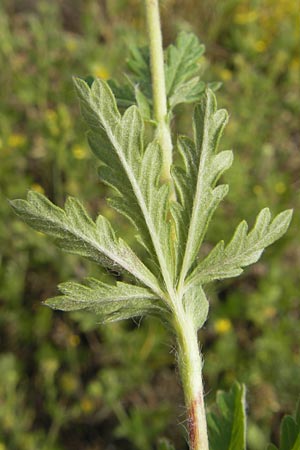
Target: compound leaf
227,429
195,182
109,302
243,249
75,232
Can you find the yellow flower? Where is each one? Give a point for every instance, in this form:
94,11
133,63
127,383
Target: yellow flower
100,71
74,340
270,312
257,189
16,140
2,446
79,152
38,188
71,44
51,115
225,74
51,121
49,366
260,46
69,383
243,18
222,326
86,405
280,187
295,63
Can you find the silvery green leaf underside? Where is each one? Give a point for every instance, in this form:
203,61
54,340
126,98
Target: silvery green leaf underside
243,249
75,232
109,302
171,234
196,305
195,182
182,65
130,169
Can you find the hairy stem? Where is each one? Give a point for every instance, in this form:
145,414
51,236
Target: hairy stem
159,86
190,366
189,358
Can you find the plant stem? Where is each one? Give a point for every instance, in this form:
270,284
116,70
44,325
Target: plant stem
190,366
189,358
158,86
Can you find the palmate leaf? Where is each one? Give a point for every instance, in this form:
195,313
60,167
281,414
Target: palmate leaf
75,232
109,302
243,249
132,171
195,183
227,429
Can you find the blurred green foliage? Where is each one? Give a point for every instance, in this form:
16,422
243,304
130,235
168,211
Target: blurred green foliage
66,382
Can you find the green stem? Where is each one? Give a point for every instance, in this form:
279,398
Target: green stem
158,85
189,358
190,367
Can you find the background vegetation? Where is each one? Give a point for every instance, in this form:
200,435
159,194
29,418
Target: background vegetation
66,382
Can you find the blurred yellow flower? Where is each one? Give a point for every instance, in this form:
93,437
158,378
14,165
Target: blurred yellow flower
74,340
51,115
100,71
243,18
2,446
69,383
16,140
64,117
49,366
38,188
86,405
280,187
257,189
222,326
225,74
79,152
51,121
8,421
260,46
72,187
295,63
71,44
270,312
